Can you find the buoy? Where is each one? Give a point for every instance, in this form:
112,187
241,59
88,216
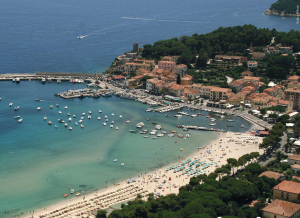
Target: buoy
176,142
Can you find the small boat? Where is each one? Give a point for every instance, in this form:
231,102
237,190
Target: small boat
43,80
147,119
117,128
181,149
66,107
76,124
58,81
38,108
70,119
133,131
179,126
20,120
105,116
69,114
49,80
99,118
242,126
59,112
61,120
112,115
104,124
10,104
180,136
51,106
77,194
230,125
115,160
89,117
212,119
45,118
207,116
106,120
90,112
66,125
80,121
100,111
16,117
146,136
120,116
174,131
154,137
111,126
112,122
70,128
82,126
50,123
122,164
83,114
81,118
127,121
154,123
65,195
57,105
229,120
74,116
56,126
212,124
16,108
72,191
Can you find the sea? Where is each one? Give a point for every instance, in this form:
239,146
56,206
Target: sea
39,163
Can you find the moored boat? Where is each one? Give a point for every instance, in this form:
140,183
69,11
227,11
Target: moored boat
50,123
72,191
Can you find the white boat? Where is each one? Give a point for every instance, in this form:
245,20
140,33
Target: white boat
105,116
70,119
160,135
140,125
72,191
38,108
212,124
90,112
117,128
43,80
82,126
80,121
122,164
146,136
158,127
70,128
100,111
106,120
229,120
142,132
212,119
222,116
154,137
77,194
83,114
51,106
69,114
45,118
242,126
112,122
99,118
76,124
120,116
112,114
59,112
89,117
66,107
20,120
10,104
58,81
74,116
81,118
16,117
111,126
115,160
127,121
104,124
66,125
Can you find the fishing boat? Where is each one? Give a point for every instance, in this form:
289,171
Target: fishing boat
154,123
154,137
180,136
16,108
158,127
122,164
133,131
115,160
38,108
50,123
77,194
16,117
72,191
20,120
70,128
45,118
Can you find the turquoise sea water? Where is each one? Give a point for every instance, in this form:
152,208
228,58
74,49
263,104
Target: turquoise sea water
38,163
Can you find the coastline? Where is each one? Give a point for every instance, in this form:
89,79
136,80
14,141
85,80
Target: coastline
275,13
145,185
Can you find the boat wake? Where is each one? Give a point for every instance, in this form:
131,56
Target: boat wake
81,37
161,20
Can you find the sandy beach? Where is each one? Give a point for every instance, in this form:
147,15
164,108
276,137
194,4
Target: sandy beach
159,182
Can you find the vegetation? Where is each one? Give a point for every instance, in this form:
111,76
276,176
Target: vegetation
286,6
204,197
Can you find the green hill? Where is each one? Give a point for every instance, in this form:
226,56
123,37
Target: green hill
287,7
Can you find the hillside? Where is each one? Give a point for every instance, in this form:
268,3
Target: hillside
284,8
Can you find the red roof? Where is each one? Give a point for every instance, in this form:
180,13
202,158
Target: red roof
118,77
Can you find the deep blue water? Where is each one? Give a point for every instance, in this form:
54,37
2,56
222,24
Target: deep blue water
39,163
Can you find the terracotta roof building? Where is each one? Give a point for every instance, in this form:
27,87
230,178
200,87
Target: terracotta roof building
217,93
293,78
279,208
288,190
271,174
294,159
247,73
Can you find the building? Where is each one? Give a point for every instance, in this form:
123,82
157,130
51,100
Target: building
118,78
275,91
141,71
166,65
197,87
271,49
271,175
286,49
288,190
176,90
293,78
281,209
293,94
119,68
252,79
180,69
205,91
247,73
237,84
150,84
258,55
230,59
252,64
135,47
191,93
294,159
130,82
186,80
217,93
295,168
132,67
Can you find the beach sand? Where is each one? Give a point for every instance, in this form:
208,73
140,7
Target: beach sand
159,182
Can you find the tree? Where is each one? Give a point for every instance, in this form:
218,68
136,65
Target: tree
233,162
278,155
101,214
202,59
178,79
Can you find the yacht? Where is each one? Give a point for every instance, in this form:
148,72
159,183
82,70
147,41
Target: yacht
90,112
80,121
43,80
111,126
69,114
112,114
105,116
81,118
120,116
20,120
112,122
74,116
16,117
99,118
122,164
89,117
106,120
45,118
158,127
10,104
70,119
66,107
212,124
212,119
83,114
16,108
127,121
100,111
59,112
58,81
117,128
